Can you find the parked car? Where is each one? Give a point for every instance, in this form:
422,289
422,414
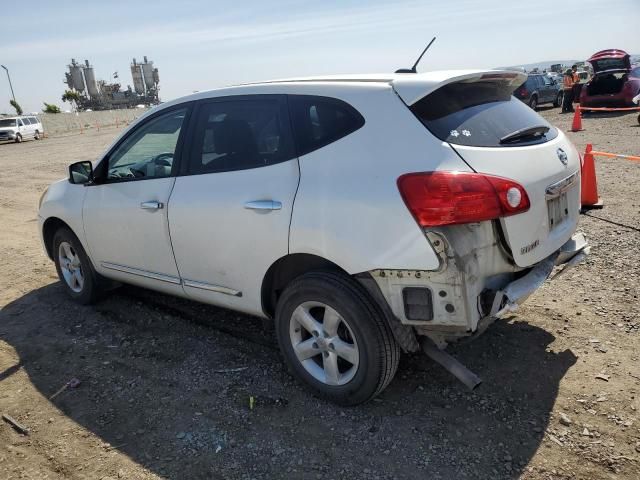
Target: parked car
364,214
614,83
20,128
540,89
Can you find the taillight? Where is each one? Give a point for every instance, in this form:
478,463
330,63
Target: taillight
524,92
449,198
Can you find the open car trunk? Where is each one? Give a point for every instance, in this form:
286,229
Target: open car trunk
608,83
496,134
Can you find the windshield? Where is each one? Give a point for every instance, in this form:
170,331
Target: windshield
7,122
480,114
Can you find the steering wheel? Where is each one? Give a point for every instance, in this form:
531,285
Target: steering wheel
163,159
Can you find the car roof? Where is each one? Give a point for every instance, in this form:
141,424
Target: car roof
410,86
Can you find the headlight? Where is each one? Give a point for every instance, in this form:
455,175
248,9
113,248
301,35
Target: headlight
42,197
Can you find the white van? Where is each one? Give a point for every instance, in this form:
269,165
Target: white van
20,128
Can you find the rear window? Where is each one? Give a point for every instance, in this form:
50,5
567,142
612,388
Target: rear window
609,64
319,121
479,114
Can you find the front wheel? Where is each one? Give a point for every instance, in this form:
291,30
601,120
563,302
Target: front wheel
18,138
74,268
335,339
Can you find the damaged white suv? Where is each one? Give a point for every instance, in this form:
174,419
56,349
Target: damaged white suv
366,215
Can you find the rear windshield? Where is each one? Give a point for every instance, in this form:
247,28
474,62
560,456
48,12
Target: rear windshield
609,64
480,114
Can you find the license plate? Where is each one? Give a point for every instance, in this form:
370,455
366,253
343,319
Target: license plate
558,209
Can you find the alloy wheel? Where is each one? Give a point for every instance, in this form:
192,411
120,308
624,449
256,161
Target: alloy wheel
71,267
324,343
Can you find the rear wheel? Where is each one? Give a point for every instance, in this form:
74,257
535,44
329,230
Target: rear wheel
334,338
533,103
74,268
36,135
18,138
559,100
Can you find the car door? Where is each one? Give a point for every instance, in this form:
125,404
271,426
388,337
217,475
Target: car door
23,129
230,209
549,91
124,212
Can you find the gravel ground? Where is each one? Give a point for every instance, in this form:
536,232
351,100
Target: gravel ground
560,396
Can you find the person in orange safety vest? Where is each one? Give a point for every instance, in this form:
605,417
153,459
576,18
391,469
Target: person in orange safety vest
567,86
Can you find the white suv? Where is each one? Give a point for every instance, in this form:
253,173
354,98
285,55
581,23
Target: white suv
363,214
20,128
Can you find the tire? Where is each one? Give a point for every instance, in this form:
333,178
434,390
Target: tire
71,259
357,356
533,102
36,135
18,138
559,100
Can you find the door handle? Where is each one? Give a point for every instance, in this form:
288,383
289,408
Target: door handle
151,205
263,205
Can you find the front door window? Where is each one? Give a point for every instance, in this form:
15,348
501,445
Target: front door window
149,151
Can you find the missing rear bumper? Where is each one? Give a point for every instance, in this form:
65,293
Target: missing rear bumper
507,300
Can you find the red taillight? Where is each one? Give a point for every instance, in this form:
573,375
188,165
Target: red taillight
524,92
449,198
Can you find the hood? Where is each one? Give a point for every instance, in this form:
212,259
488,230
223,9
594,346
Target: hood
610,61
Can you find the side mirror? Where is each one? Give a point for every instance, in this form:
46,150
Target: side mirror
81,173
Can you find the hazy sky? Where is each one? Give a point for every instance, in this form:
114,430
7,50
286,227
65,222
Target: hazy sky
198,44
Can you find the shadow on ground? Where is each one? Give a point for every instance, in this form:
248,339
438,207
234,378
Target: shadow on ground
154,383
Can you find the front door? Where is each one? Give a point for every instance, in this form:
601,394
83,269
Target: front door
229,212
125,212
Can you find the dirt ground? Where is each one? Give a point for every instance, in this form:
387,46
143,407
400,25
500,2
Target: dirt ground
155,400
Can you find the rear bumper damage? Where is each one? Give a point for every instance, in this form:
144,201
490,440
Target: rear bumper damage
475,285
515,293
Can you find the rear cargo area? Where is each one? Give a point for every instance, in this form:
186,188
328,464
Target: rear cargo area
607,84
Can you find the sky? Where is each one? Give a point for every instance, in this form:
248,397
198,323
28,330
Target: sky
200,44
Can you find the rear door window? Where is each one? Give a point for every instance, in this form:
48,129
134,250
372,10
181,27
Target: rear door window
319,121
240,133
479,114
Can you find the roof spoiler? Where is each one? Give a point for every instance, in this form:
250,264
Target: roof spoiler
413,88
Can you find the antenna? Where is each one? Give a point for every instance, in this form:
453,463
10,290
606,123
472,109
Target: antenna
413,69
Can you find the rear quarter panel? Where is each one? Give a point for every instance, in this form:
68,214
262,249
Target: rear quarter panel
348,208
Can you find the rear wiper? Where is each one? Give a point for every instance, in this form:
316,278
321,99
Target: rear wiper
537,131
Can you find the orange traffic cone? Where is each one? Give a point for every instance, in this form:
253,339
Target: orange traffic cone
589,198
576,125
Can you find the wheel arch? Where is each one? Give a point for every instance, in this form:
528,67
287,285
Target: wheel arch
286,269
49,228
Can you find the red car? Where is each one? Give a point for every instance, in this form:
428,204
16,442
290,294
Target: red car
614,83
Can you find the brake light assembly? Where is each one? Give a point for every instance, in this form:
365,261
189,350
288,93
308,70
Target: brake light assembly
452,198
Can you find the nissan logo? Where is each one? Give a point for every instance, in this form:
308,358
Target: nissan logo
562,156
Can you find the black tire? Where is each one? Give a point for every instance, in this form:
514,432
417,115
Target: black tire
533,102
559,100
18,138
379,353
36,135
91,289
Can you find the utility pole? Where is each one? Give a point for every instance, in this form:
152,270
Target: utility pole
10,86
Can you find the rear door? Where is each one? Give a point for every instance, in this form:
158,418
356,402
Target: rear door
549,91
479,120
230,209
